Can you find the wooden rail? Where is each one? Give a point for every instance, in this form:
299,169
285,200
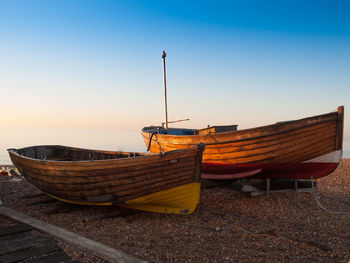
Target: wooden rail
98,249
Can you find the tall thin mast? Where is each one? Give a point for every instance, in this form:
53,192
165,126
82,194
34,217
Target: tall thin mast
166,103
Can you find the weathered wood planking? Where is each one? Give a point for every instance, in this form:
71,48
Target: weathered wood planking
105,177
284,142
21,242
6,231
98,249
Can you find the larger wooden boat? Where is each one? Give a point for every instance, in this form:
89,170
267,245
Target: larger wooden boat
299,149
166,183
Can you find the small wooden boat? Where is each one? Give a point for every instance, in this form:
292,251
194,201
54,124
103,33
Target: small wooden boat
165,183
299,149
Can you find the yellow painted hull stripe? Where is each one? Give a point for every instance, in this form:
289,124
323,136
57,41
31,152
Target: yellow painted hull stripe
177,200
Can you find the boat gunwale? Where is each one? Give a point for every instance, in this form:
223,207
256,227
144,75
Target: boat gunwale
14,151
282,123
237,140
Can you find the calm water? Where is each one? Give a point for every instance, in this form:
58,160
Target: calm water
346,149
17,137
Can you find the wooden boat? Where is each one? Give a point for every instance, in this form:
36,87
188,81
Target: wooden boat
299,149
165,183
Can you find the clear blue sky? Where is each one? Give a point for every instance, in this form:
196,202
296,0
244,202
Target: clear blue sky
97,64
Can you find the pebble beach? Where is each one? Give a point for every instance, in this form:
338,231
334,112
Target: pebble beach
228,225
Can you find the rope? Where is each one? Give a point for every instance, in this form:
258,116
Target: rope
314,192
150,142
211,135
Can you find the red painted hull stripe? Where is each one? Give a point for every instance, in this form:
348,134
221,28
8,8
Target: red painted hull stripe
276,170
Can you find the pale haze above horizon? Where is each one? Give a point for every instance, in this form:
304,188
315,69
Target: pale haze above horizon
97,64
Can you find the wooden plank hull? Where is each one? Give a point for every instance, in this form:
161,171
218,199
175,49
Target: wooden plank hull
291,149
167,183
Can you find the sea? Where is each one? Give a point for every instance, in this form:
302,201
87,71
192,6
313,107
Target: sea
130,141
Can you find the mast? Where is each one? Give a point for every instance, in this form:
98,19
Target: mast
165,97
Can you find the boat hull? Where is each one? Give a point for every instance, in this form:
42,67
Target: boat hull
166,183
300,149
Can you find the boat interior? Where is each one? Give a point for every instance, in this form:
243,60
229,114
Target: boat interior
179,131
65,153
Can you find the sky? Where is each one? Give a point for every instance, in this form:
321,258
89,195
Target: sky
97,64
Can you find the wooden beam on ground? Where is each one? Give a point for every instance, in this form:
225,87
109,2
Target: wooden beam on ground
98,249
